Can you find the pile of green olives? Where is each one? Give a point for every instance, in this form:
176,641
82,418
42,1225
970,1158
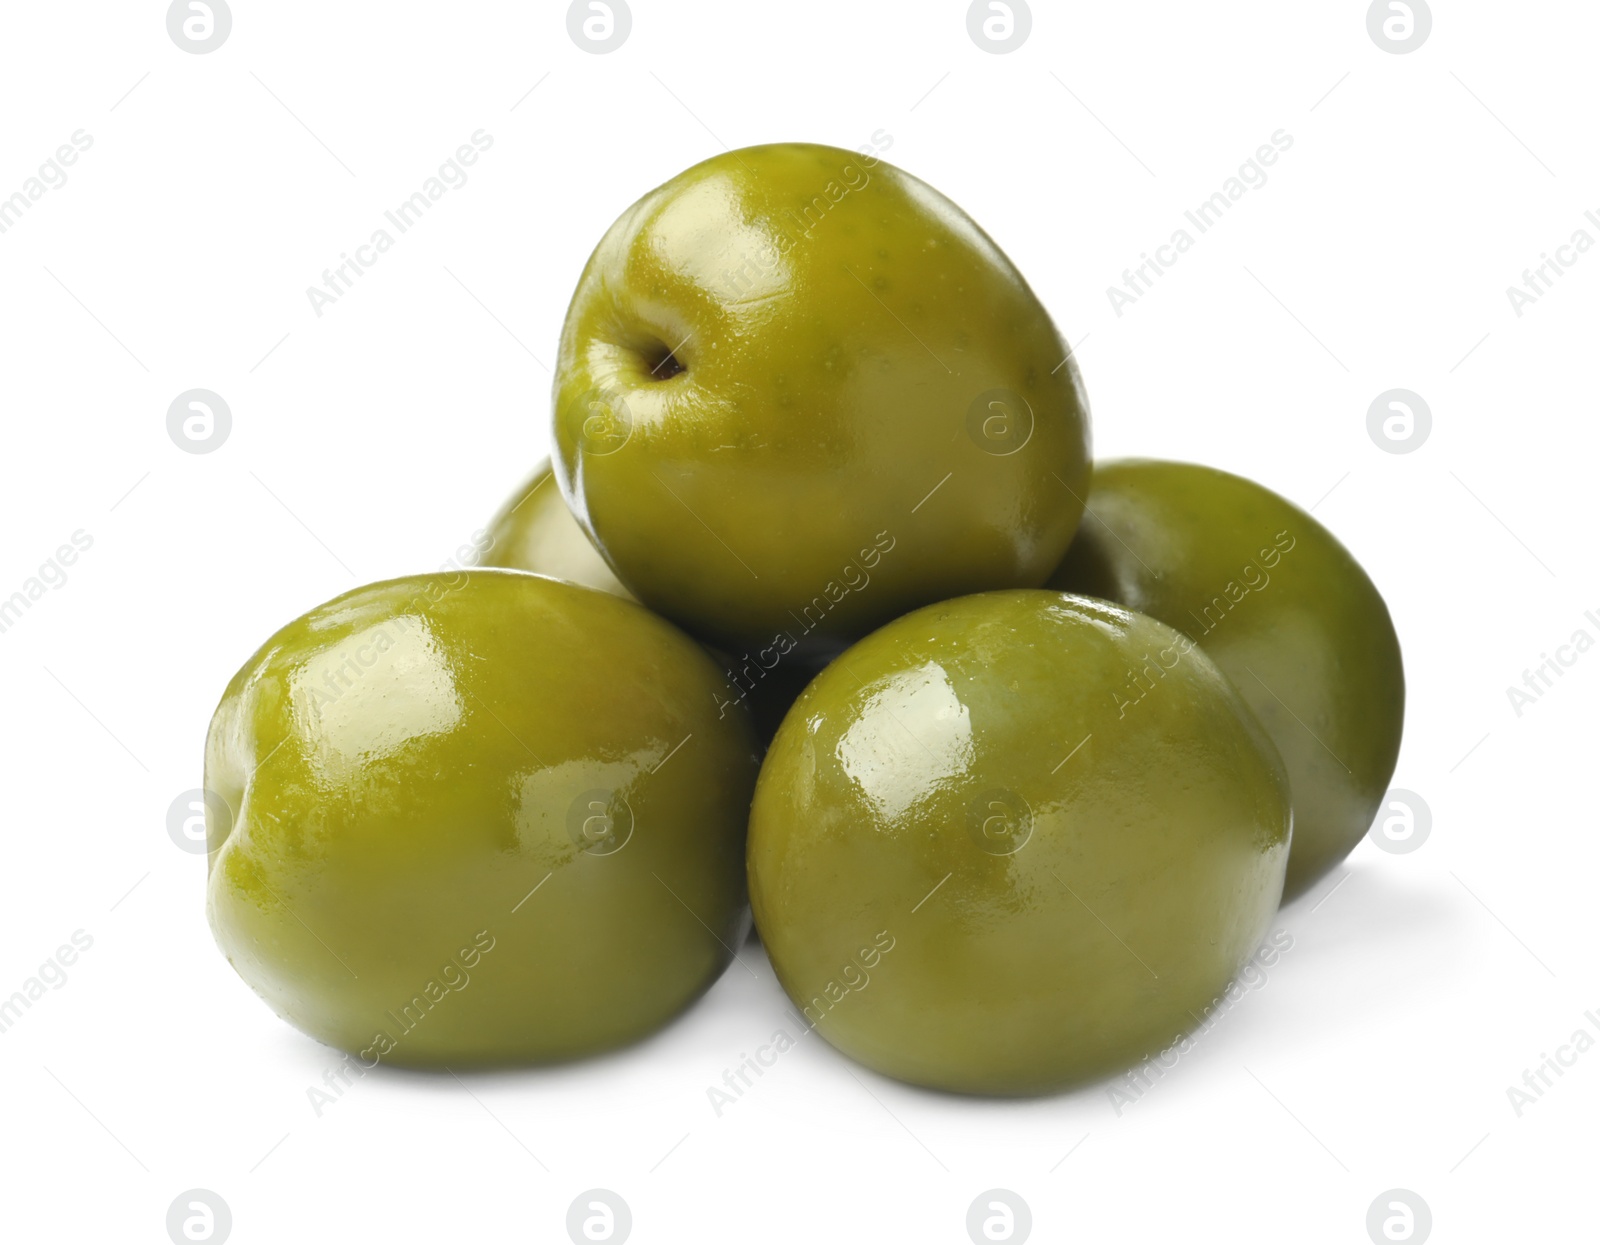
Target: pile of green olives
821,614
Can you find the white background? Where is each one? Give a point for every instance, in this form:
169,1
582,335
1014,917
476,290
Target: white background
374,440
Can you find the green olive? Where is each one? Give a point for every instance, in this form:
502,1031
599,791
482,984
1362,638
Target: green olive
1014,841
800,392
478,818
534,531
1281,606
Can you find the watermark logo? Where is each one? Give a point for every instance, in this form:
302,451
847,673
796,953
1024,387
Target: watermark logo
1538,1079
999,26
605,423
1399,1215
52,973
199,1215
51,575
1539,680
1399,421
451,175
1000,422
1147,678
1539,279
599,26
764,268
454,976
1134,1084
187,817
855,576
736,1081
199,26
600,822
999,1215
1000,822
853,976
1139,279
599,1215
51,175
1399,26
199,421
1403,824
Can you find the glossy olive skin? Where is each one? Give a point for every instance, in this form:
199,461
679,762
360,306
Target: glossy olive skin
534,531
778,404
1281,606
983,859
424,866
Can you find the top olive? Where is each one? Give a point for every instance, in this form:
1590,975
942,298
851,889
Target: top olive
800,392
1281,606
